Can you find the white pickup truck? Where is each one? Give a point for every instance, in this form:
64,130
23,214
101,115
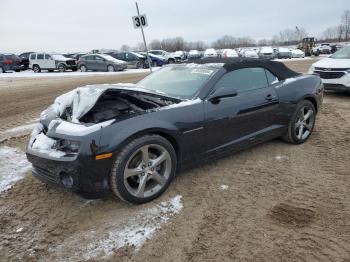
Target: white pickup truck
51,62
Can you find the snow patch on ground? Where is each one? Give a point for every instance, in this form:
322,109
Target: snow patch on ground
31,74
223,187
133,232
281,157
293,59
19,129
14,166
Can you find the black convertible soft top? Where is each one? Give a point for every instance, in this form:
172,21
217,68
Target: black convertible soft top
277,68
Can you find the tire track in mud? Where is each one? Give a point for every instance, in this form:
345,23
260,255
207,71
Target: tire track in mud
309,196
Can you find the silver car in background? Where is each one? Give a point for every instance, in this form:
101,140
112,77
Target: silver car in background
100,62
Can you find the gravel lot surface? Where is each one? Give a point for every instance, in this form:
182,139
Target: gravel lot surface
273,202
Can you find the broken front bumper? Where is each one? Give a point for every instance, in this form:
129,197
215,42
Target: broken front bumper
85,175
80,172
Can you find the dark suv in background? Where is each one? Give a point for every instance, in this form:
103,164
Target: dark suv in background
10,62
25,60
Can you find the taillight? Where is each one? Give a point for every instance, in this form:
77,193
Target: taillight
8,62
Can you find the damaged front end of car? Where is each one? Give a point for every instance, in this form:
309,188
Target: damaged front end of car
64,147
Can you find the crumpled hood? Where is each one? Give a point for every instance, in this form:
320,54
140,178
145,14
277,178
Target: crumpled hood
82,99
333,63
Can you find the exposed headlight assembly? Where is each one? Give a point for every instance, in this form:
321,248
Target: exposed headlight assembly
68,146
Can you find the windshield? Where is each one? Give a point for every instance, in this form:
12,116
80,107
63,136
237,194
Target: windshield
343,53
59,57
182,81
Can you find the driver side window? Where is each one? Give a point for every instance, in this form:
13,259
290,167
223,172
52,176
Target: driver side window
244,79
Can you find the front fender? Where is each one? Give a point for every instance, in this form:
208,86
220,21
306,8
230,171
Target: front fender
116,136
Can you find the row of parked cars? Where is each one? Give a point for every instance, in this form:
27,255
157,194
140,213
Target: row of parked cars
263,52
118,61
111,61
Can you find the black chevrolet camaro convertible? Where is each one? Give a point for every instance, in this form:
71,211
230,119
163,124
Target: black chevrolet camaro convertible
132,139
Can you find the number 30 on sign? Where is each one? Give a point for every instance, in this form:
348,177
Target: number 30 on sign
139,21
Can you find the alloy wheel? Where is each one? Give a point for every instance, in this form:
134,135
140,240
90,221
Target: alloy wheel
61,68
304,123
83,68
36,69
110,68
147,171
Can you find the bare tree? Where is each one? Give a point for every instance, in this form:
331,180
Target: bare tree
155,44
139,47
125,48
230,42
173,44
331,33
197,45
340,32
345,22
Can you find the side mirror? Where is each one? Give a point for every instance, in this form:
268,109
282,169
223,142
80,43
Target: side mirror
222,93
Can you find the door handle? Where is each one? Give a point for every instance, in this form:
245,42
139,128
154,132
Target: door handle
270,97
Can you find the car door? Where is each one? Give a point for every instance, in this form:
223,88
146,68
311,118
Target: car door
245,118
100,63
49,62
32,59
131,60
91,63
40,60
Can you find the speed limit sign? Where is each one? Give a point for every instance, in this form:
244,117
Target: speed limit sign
139,21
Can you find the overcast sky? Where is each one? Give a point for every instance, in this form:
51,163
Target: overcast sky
82,25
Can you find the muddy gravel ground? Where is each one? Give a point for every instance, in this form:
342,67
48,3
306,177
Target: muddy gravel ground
273,202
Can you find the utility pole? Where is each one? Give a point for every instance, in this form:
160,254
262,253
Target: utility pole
144,39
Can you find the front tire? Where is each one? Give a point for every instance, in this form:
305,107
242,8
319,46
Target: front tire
143,170
110,68
139,65
61,68
83,68
301,124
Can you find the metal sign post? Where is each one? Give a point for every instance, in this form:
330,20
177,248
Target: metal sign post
140,22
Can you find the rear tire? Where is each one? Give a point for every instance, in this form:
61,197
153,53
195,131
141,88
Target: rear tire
36,69
143,170
301,124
